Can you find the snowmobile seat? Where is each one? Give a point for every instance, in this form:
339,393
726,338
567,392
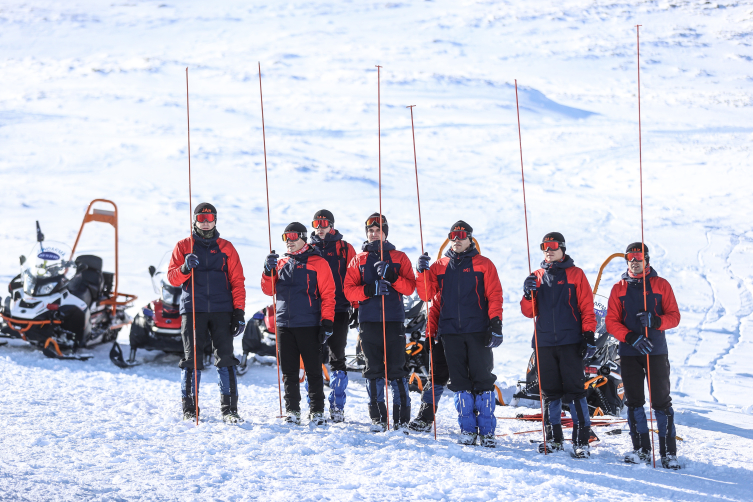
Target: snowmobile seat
89,283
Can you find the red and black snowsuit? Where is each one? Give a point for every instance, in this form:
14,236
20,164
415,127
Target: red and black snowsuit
465,293
305,296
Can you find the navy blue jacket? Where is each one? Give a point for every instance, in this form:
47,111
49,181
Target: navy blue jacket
338,254
361,271
305,291
564,304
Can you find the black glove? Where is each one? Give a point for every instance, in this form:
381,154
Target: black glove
640,342
423,263
494,333
529,285
385,271
270,262
369,290
191,261
381,287
325,330
588,346
649,320
353,321
238,322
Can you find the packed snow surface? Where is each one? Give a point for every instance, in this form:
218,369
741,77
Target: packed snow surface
93,105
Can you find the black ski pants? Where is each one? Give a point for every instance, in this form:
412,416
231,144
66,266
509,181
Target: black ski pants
372,345
441,370
561,370
470,362
634,374
214,326
337,342
296,344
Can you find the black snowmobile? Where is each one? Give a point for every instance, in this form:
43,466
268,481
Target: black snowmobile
604,389
258,340
58,304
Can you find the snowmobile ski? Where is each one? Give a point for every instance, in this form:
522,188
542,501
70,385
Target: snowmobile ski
116,356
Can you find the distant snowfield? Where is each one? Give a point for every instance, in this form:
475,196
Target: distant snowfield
92,105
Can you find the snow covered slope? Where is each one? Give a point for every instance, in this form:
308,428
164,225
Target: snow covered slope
93,105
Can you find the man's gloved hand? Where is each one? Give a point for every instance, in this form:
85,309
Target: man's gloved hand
381,287
353,321
325,330
529,285
640,342
386,271
423,263
588,346
238,322
649,320
494,333
190,261
270,262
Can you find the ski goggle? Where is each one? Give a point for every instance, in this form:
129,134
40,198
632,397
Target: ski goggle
291,236
322,223
634,256
553,245
458,235
201,218
374,221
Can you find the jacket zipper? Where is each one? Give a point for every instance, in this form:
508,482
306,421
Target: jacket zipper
460,324
209,306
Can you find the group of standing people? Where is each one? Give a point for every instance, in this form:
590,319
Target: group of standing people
322,287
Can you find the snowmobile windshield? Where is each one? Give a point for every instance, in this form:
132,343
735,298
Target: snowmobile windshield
46,267
170,294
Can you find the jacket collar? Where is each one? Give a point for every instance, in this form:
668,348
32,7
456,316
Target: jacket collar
630,279
315,240
553,268
306,250
373,247
470,252
206,242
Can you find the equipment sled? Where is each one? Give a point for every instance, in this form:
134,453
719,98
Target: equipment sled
61,305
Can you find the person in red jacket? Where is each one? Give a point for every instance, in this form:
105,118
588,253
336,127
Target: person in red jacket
219,305
338,254
561,300
382,273
641,332
305,313
466,312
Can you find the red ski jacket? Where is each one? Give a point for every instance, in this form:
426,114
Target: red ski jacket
361,271
465,293
626,300
220,285
305,289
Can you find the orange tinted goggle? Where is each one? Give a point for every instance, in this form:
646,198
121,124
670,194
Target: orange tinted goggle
553,245
291,236
634,256
201,218
321,223
457,235
375,221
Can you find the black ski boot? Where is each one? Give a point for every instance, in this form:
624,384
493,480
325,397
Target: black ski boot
581,435
641,453
424,420
378,413
229,409
401,418
554,440
189,409
668,452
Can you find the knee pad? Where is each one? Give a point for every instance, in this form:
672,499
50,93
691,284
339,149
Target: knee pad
400,392
637,420
338,382
665,422
186,382
375,389
464,403
227,382
484,404
579,413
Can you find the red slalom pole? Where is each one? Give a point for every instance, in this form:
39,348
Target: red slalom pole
381,243
421,232
190,221
528,250
269,227
643,245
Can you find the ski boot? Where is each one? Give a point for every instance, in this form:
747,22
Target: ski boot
487,423
377,405
464,402
641,453
424,420
336,415
400,404
317,418
670,462
189,409
488,441
581,435
467,438
550,447
229,409
555,441
293,418
581,451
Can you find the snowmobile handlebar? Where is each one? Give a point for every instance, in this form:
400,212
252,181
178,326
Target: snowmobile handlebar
603,266
447,241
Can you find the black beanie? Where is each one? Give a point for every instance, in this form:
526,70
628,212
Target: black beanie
296,227
323,214
636,247
555,236
461,225
385,226
205,207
